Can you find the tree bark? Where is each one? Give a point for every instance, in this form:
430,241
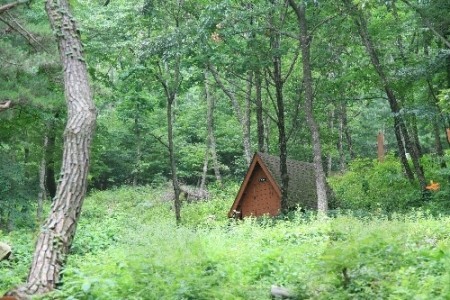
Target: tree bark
211,139
247,115
55,240
331,131
282,138
305,39
346,131
50,180
259,110
173,163
341,140
42,191
205,170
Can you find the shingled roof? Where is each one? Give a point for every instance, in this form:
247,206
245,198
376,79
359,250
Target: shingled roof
302,181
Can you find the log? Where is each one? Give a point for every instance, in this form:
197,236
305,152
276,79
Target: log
279,292
5,251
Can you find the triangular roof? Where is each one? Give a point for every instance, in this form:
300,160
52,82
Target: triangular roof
302,182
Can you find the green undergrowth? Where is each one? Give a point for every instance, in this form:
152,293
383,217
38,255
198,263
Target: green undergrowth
129,247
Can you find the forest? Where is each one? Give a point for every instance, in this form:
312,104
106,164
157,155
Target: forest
127,128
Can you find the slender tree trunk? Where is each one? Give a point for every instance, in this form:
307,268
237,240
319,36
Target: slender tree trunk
331,130
205,170
137,164
173,163
259,110
415,135
26,157
401,133
239,115
436,128
305,39
50,180
42,192
55,240
267,131
346,131
211,139
341,141
282,138
247,115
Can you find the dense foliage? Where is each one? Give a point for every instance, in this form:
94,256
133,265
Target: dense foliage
189,90
128,247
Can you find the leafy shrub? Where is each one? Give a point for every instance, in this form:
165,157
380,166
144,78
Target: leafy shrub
371,185
14,271
150,257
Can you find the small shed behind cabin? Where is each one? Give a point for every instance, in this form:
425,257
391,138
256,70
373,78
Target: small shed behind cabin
260,192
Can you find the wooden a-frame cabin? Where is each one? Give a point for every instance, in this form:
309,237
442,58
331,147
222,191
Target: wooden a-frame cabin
260,192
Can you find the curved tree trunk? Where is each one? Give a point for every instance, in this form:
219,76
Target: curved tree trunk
56,237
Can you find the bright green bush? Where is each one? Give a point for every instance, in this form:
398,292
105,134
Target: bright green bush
371,185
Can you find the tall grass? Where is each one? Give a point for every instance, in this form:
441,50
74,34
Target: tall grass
129,247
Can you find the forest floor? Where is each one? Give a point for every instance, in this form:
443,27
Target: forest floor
129,247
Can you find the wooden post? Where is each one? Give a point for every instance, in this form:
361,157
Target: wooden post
448,135
380,146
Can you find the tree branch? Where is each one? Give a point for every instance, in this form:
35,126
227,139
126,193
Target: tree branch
9,6
159,139
23,32
428,23
227,92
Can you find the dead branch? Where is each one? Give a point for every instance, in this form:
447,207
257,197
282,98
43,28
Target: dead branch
9,6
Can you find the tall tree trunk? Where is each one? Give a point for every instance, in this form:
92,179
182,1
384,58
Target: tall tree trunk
26,157
267,132
415,134
171,90
137,163
346,130
50,180
239,115
282,138
401,133
247,115
211,139
259,110
436,128
205,170
42,195
55,240
305,39
341,141
172,158
331,131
